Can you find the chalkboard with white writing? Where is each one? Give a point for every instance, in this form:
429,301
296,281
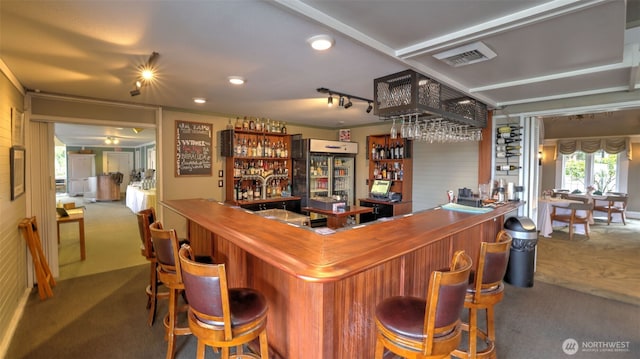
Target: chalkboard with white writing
193,148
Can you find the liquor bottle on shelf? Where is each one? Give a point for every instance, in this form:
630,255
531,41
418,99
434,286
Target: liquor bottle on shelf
507,167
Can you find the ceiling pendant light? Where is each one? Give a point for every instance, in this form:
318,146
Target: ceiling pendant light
111,140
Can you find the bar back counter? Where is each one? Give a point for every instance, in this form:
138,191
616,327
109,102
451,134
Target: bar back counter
323,289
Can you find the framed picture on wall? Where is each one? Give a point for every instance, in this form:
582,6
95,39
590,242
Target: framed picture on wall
17,161
345,135
193,148
17,127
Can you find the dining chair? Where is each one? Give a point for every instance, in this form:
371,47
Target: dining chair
574,214
430,327
613,204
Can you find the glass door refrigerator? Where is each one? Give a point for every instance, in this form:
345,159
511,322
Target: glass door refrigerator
325,169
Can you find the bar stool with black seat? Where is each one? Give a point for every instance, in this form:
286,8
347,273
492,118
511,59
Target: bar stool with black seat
485,290
414,327
165,245
219,316
145,218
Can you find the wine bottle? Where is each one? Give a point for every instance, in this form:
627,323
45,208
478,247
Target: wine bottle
507,154
512,134
508,128
507,167
502,141
507,148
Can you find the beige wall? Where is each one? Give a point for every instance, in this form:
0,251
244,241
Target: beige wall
13,256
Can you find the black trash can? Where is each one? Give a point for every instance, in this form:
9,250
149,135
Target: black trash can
521,264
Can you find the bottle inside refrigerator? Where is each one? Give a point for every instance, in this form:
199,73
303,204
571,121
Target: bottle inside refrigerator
324,169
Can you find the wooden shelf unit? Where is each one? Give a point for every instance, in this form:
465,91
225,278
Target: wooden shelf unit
398,170
245,168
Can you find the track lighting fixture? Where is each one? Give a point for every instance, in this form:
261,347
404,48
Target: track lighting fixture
348,104
343,95
147,74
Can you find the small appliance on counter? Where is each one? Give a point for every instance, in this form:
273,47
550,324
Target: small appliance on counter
326,203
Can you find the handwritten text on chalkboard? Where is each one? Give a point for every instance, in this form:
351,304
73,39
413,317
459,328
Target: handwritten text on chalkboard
193,148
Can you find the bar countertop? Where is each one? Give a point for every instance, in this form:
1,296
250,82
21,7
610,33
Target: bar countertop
314,257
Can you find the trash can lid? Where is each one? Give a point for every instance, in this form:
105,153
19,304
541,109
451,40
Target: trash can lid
522,224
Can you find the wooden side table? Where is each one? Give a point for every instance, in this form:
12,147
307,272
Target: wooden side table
75,215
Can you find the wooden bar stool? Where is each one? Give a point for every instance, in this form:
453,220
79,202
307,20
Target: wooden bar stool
165,244
420,328
145,218
219,316
485,290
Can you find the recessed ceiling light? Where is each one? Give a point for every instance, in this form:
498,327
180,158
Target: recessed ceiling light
199,100
236,80
321,42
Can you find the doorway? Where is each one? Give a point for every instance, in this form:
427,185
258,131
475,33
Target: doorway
111,229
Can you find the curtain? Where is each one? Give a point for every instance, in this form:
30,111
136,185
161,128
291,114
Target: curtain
590,145
42,180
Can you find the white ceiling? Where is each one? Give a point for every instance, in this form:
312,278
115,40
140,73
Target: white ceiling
545,50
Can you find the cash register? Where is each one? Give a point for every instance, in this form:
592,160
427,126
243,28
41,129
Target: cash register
380,190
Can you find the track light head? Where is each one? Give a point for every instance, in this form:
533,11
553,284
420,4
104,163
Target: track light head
348,104
341,102
135,92
330,101
369,108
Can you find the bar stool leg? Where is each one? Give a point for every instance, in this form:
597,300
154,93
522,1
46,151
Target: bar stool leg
172,317
152,292
491,330
473,332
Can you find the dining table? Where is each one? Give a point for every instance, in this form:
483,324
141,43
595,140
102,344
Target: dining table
545,224
138,199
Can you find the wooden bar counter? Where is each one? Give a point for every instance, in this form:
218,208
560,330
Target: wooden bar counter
323,289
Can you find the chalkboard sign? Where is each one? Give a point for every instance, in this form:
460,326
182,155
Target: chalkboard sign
193,148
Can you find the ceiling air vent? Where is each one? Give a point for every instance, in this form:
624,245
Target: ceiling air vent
466,55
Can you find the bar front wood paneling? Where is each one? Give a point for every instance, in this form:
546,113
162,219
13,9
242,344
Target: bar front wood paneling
322,290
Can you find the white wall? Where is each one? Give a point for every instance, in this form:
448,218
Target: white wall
441,167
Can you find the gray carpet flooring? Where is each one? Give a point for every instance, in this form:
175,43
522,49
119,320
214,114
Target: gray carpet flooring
103,316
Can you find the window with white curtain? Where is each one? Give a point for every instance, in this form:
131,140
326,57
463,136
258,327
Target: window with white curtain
598,169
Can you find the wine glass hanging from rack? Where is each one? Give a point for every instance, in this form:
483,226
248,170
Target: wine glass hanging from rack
434,130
